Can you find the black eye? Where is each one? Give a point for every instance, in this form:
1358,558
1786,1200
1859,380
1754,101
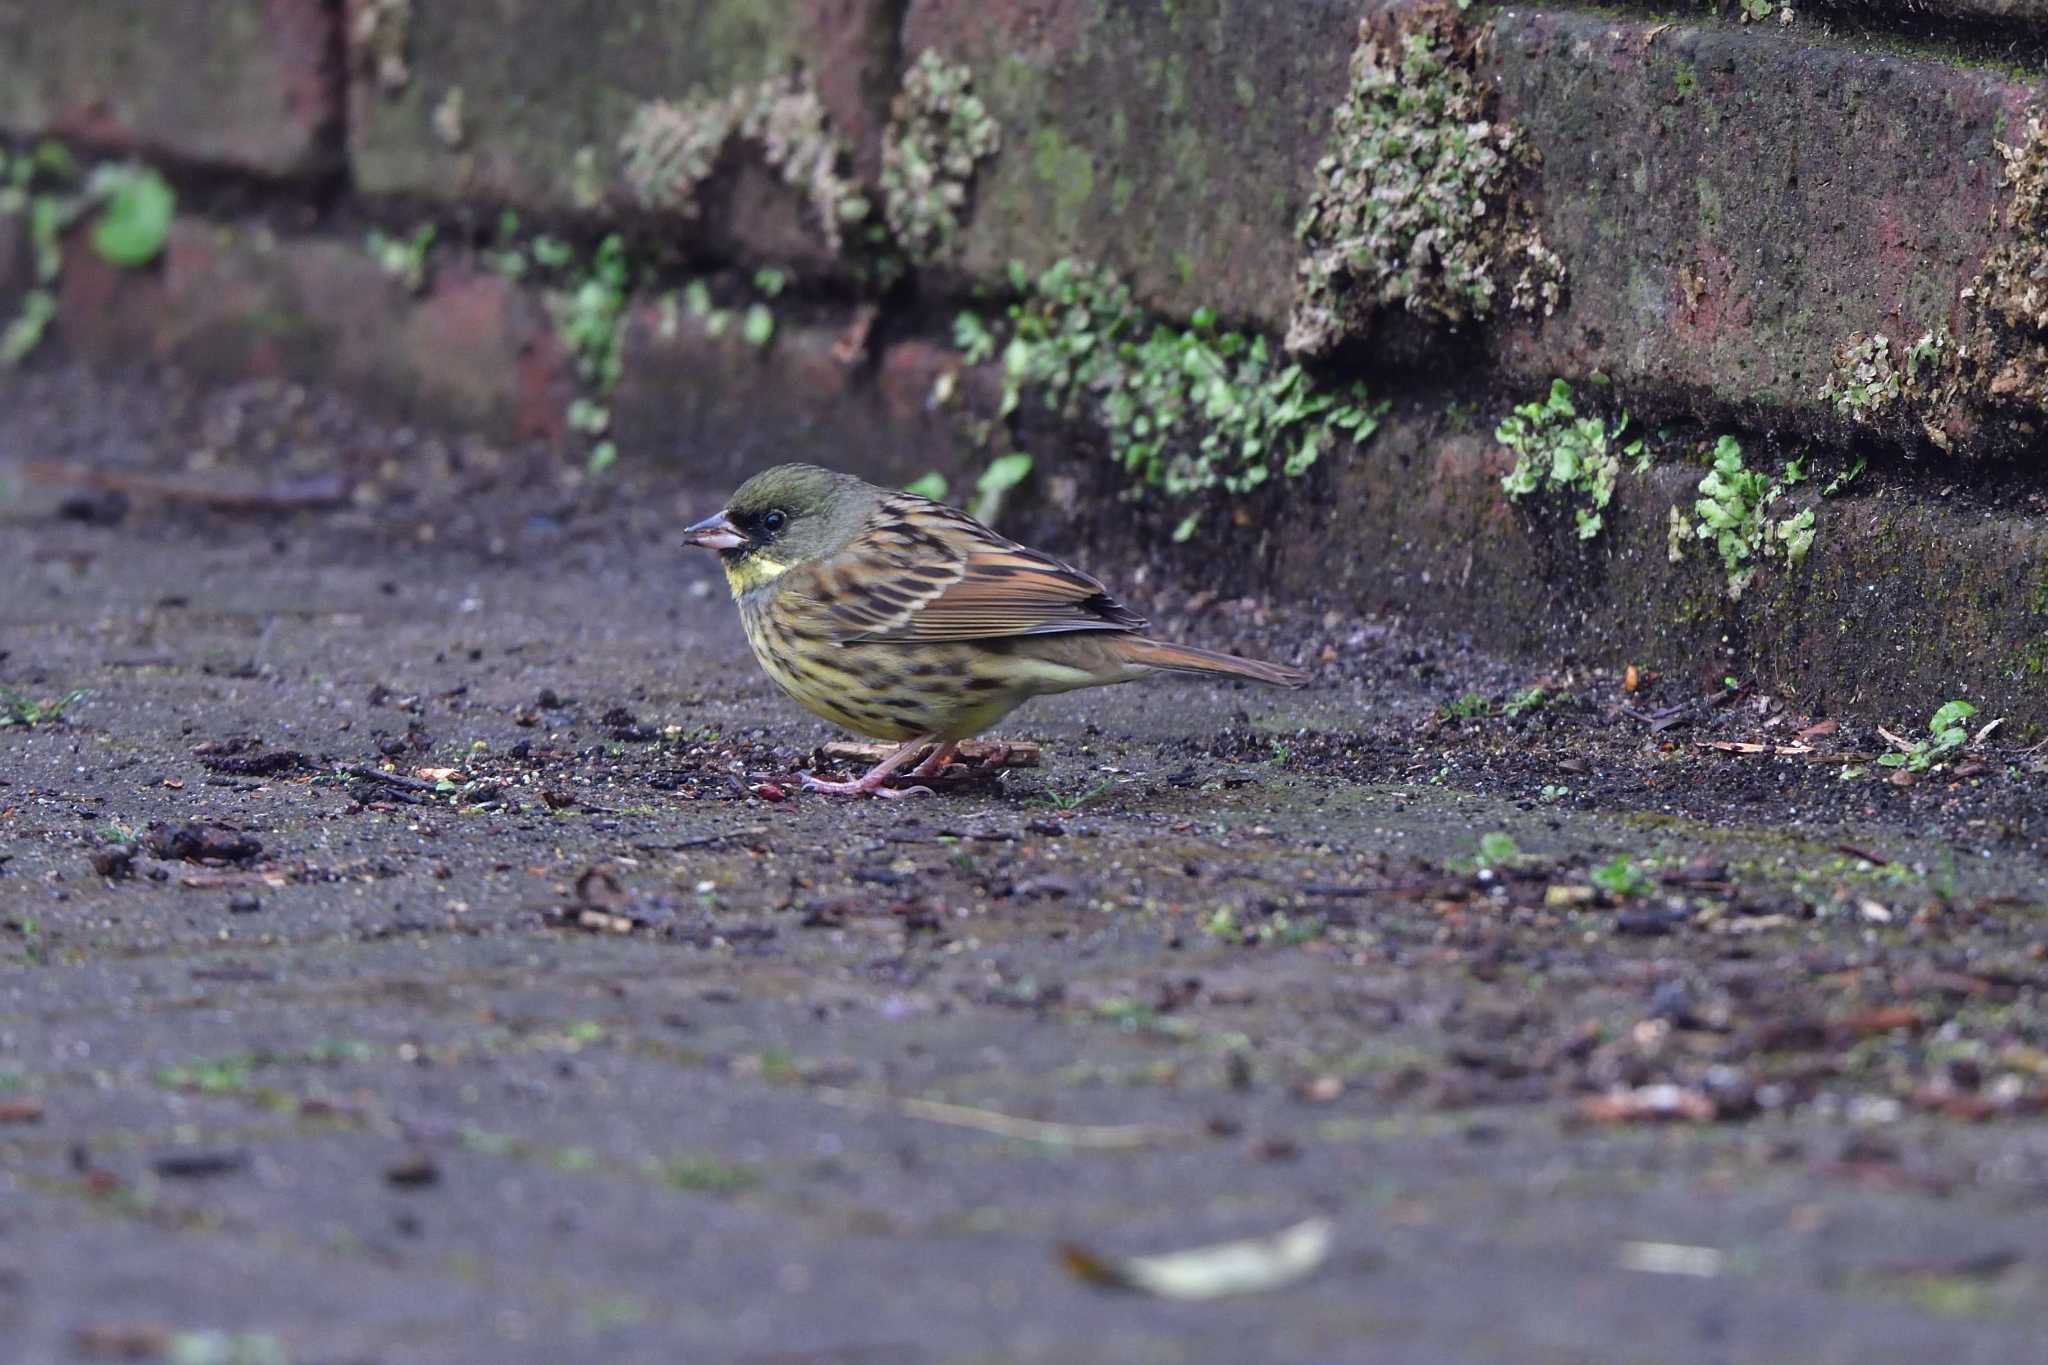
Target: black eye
771,522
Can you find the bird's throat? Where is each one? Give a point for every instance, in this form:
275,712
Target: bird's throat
754,571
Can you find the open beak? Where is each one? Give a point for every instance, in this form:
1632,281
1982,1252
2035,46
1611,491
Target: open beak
715,533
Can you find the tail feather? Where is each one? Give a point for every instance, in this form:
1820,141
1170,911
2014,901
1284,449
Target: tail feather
1149,653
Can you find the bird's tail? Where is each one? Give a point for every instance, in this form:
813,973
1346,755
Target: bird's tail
1149,653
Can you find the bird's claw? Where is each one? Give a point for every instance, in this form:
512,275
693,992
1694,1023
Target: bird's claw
861,787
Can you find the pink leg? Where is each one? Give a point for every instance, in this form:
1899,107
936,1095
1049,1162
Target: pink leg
870,782
936,764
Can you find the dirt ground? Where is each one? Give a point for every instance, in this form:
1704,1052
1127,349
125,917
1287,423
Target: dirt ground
414,947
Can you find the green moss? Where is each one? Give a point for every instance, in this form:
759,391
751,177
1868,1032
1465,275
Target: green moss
939,134
1068,171
1413,206
1186,409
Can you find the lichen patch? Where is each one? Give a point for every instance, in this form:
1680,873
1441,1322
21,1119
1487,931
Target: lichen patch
939,134
670,150
1415,204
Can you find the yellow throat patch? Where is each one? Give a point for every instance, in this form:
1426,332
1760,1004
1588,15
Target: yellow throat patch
752,572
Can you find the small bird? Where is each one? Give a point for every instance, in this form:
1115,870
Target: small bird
903,619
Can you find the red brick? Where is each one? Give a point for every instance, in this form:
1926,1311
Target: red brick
1731,204
543,81
251,85
475,351
721,408
1174,144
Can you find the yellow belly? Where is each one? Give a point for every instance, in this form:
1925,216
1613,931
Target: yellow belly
953,690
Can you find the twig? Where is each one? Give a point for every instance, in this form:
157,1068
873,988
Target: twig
1118,1137
704,840
411,784
325,490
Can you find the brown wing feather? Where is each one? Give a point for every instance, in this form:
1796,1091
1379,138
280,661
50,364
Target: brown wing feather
922,571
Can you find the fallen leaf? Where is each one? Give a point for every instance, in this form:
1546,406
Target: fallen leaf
1649,1104
1251,1266
21,1111
1732,746
1669,1258
1819,729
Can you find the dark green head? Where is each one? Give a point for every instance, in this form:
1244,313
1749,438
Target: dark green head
784,517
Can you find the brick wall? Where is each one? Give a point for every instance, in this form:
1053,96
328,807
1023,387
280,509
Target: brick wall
1811,231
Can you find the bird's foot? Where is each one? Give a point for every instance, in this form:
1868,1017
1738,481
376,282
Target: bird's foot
871,785
936,764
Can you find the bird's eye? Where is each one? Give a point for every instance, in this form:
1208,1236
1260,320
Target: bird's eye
771,522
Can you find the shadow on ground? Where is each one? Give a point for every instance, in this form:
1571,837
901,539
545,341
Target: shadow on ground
406,956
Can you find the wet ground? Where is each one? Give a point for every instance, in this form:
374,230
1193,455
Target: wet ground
414,946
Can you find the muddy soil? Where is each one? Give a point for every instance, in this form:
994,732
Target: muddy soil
415,945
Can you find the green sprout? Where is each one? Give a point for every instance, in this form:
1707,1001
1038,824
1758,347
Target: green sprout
1004,473
404,259
1732,510
19,710
1555,448
1946,735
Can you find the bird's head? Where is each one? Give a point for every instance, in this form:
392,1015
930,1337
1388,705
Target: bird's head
781,518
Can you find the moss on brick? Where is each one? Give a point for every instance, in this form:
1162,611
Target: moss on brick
1414,205
938,136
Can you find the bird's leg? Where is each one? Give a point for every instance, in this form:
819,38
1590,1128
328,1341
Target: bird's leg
936,764
870,782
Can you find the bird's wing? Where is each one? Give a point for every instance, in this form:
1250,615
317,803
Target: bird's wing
921,571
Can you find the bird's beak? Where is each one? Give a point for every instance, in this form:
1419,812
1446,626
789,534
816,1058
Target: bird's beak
715,533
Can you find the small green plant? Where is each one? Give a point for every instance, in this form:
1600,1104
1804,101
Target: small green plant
1732,513
931,484
1556,448
1067,802
136,221
1471,706
136,207
1498,849
1620,879
212,1076
20,710
590,313
1946,735
404,259
1845,478
1187,409
1529,699
757,325
993,488
590,319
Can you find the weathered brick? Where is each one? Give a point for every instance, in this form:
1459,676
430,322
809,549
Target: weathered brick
474,351
1174,143
253,85
721,408
1731,204
545,89
1417,526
